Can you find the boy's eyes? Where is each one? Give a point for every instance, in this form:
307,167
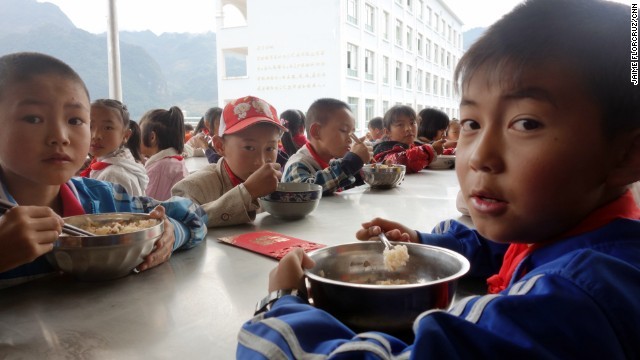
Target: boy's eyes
76,121
468,125
32,119
526,125
249,148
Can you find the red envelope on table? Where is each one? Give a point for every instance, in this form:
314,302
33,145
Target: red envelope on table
270,243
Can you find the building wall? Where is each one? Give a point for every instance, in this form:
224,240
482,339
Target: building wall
297,52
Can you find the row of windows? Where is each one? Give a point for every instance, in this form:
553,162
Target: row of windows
434,21
370,108
403,74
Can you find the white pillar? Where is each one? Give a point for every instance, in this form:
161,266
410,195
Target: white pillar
113,49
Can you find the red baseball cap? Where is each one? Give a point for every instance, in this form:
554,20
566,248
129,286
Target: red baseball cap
246,111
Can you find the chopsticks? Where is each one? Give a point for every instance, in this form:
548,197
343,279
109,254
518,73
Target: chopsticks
66,228
355,138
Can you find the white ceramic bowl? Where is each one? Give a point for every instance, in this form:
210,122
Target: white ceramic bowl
443,162
104,257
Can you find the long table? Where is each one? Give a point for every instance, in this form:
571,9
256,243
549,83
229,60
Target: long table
193,306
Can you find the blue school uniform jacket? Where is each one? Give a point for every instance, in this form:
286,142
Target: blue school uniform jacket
580,299
96,196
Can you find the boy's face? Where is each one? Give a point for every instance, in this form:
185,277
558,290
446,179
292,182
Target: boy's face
403,129
107,131
248,149
332,139
45,130
453,131
376,133
532,161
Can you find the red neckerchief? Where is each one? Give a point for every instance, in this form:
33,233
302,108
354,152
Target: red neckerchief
235,181
300,139
94,165
624,207
180,158
71,206
323,164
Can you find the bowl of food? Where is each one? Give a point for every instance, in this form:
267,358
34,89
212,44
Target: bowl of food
353,283
443,162
292,200
382,176
121,242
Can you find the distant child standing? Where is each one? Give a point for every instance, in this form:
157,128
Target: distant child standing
293,139
329,159
247,139
44,107
401,147
162,142
112,159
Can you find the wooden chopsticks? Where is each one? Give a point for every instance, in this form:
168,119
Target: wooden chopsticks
66,228
355,138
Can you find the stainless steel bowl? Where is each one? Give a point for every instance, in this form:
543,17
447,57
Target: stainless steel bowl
344,283
103,257
292,201
383,176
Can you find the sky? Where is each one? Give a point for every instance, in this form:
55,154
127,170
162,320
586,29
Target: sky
198,16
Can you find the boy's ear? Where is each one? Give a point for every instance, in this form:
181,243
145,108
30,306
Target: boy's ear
218,144
627,171
314,131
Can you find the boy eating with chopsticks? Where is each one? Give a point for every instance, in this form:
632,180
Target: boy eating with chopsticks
329,159
44,114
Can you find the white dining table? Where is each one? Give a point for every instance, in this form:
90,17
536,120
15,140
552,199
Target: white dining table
193,306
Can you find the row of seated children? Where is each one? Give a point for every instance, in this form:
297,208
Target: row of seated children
555,223
45,107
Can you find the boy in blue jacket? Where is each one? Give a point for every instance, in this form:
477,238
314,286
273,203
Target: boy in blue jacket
550,143
44,114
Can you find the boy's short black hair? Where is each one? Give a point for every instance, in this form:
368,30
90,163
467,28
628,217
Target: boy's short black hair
431,121
395,111
22,66
591,37
321,109
168,126
375,123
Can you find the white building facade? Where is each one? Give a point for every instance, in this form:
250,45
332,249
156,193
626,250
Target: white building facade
370,54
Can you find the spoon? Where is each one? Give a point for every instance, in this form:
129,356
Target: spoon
385,241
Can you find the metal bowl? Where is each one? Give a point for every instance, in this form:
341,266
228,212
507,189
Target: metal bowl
103,257
383,176
443,162
292,200
345,283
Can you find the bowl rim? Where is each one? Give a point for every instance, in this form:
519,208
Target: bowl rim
464,269
62,242
313,188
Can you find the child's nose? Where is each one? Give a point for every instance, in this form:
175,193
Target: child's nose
485,154
57,135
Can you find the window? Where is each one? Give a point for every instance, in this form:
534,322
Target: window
398,32
435,85
448,88
385,106
352,60
442,61
369,108
419,80
385,70
398,73
420,9
442,87
448,60
385,25
353,104
449,33
409,38
352,11
370,17
437,22
429,16
409,76
427,49
410,5
369,64
442,28
427,83
235,62
436,54
419,45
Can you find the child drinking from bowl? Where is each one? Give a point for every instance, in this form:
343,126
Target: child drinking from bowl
569,284
247,140
162,142
329,159
401,147
112,160
44,107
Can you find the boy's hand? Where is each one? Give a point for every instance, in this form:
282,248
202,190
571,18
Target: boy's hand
27,232
365,152
438,146
264,180
164,246
394,231
290,270
450,144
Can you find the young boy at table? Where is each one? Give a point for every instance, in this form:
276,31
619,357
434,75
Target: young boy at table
570,281
329,159
247,139
44,108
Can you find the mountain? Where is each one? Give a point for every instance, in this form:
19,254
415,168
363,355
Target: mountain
157,71
470,36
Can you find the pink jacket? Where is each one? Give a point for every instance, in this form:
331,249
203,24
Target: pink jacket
164,169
